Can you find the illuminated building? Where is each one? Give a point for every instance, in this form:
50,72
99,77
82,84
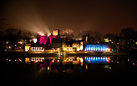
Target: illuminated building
27,47
46,39
36,49
56,32
97,47
81,46
78,46
106,40
68,49
73,46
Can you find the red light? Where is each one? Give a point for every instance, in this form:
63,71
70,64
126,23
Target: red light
108,61
135,64
52,61
35,62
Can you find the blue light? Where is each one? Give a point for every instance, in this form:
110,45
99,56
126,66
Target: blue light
96,47
96,60
101,49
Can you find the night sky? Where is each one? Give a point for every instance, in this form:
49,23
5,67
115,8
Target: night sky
105,16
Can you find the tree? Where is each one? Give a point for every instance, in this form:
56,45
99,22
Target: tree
93,37
68,33
1,37
97,37
26,35
13,35
128,36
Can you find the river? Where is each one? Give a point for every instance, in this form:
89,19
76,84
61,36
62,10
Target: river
68,71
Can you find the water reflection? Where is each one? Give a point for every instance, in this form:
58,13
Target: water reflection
63,64
14,60
55,69
102,60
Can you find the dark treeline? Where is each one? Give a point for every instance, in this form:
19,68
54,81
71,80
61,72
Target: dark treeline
13,35
128,35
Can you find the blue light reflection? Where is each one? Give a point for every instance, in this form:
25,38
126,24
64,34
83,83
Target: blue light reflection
97,60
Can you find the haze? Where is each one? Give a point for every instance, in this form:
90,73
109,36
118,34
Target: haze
105,16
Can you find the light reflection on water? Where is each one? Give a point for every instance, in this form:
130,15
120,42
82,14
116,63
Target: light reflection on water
64,64
51,69
103,60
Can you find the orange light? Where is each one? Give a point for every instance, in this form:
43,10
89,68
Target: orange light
64,60
55,32
48,68
48,34
57,60
40,33
108,49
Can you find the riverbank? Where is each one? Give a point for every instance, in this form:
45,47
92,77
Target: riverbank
66,54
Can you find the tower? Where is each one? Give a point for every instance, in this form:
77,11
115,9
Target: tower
56,32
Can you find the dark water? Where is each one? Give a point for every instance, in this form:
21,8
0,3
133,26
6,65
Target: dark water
68,71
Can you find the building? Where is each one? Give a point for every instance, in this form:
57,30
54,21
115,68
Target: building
56,32
97,47
78,46
46,39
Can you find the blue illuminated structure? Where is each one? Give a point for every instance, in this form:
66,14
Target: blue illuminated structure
102,60
96,47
